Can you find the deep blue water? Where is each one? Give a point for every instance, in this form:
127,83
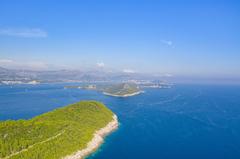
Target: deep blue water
187,121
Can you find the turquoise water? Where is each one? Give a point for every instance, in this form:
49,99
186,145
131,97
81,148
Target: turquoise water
187,121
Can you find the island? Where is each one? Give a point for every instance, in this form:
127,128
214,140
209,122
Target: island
70,132
122,90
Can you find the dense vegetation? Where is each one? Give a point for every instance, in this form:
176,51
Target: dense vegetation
54,134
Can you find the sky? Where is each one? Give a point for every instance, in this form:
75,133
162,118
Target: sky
198,38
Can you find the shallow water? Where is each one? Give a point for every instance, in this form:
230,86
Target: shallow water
187,121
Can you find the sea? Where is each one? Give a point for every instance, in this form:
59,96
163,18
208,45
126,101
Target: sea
184,122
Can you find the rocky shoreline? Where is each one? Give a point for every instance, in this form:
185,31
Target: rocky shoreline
96,141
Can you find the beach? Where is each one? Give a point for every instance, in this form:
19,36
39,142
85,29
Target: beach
96,141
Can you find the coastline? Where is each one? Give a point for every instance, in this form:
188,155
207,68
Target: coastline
96,141
126,95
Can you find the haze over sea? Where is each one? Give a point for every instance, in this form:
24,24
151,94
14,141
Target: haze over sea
187,121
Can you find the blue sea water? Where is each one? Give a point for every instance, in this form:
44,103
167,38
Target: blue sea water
187,121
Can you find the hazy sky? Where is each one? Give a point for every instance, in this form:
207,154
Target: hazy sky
197,38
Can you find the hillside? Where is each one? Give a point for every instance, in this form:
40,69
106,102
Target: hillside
55,134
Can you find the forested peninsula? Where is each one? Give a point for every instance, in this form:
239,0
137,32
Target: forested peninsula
73,131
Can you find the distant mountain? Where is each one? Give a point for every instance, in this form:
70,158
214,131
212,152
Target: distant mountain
25,76
3,69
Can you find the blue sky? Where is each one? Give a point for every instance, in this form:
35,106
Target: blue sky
187,38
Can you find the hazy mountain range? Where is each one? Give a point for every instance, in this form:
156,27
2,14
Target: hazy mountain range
26,76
